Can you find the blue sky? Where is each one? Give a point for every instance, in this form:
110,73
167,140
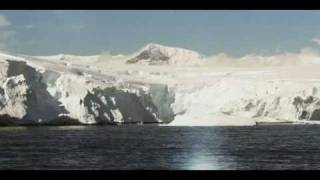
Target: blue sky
208,32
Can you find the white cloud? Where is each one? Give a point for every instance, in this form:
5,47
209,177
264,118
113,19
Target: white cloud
29,26
4,21
316,40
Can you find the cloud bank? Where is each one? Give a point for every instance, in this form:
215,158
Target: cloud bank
316,40
4,22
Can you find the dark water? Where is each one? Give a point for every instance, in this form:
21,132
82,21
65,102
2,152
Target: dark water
154,147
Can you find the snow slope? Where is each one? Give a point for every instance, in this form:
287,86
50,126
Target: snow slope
154,54
160,84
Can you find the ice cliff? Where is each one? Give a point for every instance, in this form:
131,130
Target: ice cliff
33,95
158,84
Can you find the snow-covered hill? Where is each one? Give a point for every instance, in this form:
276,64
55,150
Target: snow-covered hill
161,84
155,54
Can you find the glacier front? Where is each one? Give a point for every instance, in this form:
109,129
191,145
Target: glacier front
162,85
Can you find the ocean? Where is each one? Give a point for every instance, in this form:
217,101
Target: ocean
151,147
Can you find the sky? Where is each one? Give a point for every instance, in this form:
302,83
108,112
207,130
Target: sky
208,32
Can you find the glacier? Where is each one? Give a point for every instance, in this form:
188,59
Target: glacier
163,85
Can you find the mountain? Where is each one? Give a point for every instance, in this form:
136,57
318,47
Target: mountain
155,54
70,89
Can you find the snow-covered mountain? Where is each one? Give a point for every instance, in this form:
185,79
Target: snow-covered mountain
155,54
163,85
